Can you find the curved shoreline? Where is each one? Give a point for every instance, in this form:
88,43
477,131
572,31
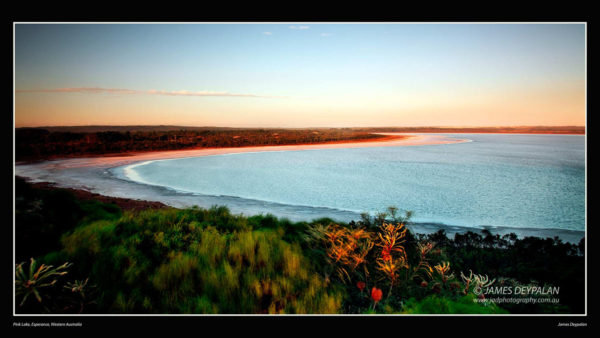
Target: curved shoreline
93,175
122,159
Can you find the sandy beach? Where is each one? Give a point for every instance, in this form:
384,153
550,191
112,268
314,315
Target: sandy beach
98,175
393,140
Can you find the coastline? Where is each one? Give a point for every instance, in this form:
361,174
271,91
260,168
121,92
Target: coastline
96,175
291,212
385,138
129,204
391,140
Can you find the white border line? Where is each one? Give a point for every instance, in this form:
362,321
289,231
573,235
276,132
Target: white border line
287,23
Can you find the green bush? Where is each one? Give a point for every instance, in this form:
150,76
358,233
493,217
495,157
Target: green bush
438,305
196,261
42,216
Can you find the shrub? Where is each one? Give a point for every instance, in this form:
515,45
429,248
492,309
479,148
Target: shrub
434,304
31,281
191,261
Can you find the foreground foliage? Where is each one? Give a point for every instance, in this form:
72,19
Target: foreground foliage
195,261
211,261
440,305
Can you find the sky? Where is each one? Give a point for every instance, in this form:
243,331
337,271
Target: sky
296,75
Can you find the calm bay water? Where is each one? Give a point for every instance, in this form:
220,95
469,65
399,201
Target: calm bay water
535,181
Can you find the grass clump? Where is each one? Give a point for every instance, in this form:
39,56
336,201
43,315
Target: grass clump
197,261
435,304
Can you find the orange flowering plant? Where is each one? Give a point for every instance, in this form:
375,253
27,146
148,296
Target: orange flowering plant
348,254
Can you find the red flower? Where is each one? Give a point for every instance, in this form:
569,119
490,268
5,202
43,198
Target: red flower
376,294
361,285
385,254
424,284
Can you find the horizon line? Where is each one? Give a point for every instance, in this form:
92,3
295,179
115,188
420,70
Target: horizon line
314,127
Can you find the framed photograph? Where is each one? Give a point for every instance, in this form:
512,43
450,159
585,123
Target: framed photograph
199,171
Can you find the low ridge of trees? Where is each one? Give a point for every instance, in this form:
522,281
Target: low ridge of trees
502,130
40,143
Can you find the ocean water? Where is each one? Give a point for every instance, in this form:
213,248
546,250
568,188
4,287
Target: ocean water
529,181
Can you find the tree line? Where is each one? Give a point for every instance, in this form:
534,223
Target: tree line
41,143
502,130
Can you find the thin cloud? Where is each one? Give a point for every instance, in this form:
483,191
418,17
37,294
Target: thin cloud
267,33
98,90
326,34
299,27
89,90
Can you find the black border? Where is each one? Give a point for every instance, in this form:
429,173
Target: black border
283,325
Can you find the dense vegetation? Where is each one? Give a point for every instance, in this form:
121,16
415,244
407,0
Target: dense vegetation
211,261
40,143
42,216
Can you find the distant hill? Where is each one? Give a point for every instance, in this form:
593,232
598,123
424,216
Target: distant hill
94,129
502,130
439,129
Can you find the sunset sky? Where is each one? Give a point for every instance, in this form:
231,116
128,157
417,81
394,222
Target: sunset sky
300,74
